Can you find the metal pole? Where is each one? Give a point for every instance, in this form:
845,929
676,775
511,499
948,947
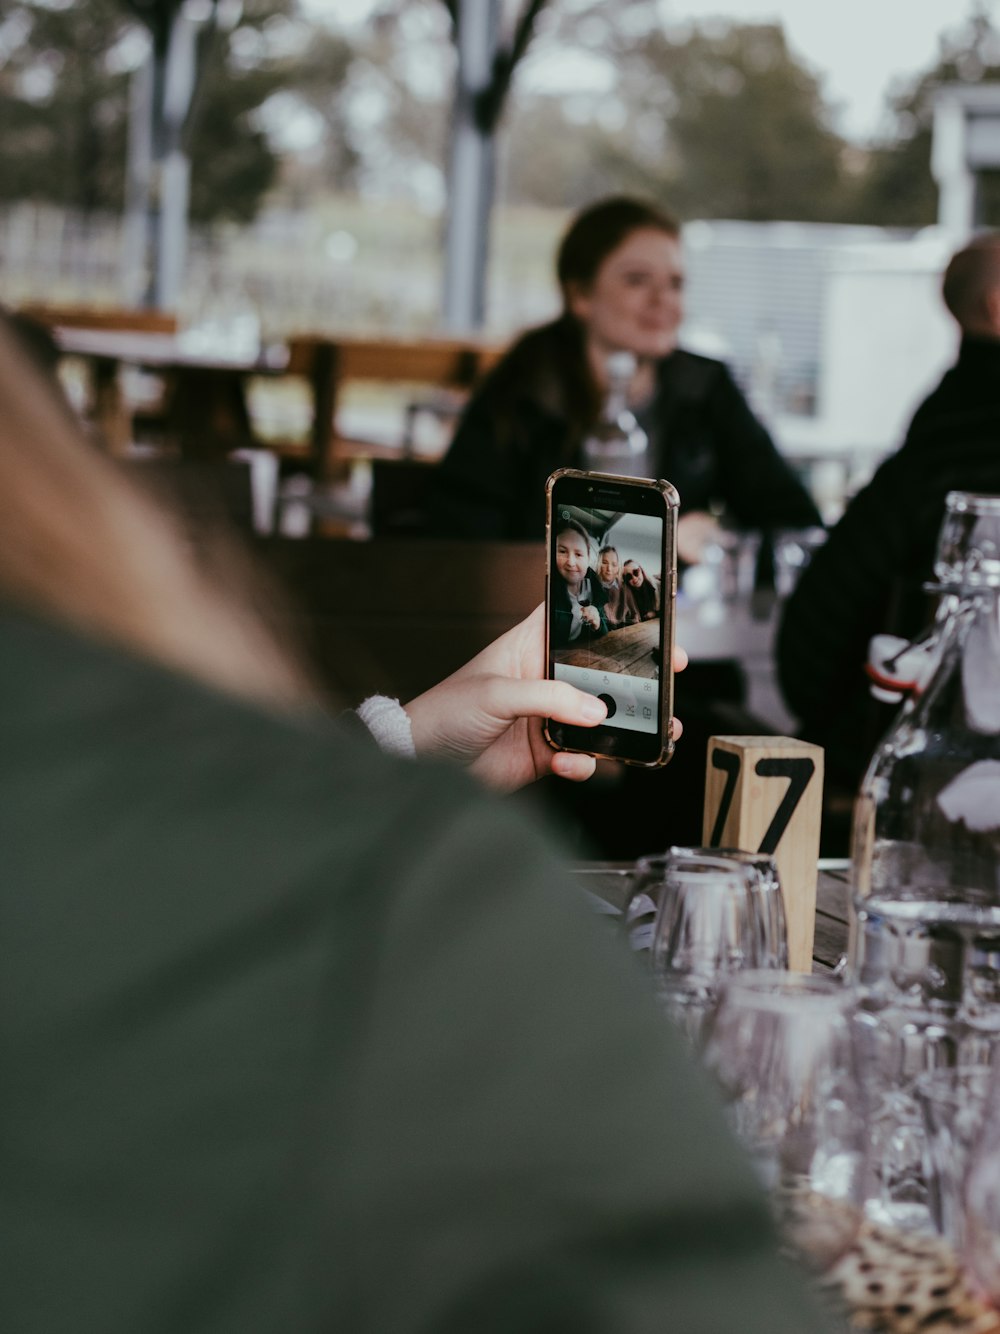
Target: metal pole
471,170
174,166
135,281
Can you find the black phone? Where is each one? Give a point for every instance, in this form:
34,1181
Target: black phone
610,593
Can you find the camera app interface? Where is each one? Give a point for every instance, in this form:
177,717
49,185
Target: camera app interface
604,633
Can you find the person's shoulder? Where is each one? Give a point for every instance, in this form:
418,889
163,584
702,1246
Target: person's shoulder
533,348
527,382
66,698
692,375
129,757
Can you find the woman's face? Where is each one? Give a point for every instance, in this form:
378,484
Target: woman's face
635,302
572,557
607,566
633,575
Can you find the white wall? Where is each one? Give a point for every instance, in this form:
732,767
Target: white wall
886,339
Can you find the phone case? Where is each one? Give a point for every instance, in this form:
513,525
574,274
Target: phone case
667,606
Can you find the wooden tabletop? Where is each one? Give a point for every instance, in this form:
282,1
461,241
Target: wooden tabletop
161,350
628,649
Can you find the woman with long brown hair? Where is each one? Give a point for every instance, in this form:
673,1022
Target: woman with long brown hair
621,280
296,1036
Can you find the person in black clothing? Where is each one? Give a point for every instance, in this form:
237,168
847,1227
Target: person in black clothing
868,577
621,276
643,590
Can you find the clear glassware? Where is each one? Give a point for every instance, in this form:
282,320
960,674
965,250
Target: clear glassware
639,916
719,911
926,854
968,549
953,1105
616,442
899,1045
784,1050
650,874
981,1197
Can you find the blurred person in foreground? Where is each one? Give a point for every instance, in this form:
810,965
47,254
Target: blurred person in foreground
620,271
867,579
297,1035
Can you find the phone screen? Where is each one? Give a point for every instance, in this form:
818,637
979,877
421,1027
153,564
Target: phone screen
611,583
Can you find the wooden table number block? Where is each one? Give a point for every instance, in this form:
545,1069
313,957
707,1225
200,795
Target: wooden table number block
765,794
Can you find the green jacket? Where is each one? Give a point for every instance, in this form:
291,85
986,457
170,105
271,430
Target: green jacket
294,1037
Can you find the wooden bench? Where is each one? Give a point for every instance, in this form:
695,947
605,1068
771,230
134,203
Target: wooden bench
395,617
329,364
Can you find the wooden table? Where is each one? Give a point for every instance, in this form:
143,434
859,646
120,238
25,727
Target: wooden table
628,649
207,407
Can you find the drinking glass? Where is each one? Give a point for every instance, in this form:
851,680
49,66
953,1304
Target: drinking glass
719,913
981,1220
968,549
784,1050
898,1046
953,1104
643,899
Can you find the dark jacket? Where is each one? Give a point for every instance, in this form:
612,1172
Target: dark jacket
294,1037
562,613
868,576
519,427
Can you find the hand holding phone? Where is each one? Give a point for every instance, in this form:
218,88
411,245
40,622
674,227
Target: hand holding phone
612,577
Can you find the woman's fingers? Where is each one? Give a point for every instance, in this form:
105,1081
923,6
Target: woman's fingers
577,768
680,658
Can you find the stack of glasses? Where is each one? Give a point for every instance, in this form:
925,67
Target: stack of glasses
870,1098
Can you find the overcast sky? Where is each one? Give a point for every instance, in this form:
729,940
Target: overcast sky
858,45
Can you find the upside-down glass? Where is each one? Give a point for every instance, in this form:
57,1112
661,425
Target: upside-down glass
982,1196
783,1048
953,1104
719,912
643,899
898,1046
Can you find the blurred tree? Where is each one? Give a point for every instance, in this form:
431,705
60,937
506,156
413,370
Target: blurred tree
720,120
318,80
897,189
63,102
64,71
746,132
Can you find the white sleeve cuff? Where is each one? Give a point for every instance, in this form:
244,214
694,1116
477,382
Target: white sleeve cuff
389,724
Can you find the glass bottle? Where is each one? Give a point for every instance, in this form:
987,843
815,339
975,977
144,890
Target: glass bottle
616,442
926,857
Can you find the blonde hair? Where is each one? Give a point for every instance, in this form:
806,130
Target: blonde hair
80,542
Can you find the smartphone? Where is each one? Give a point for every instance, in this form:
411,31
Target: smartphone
609,597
